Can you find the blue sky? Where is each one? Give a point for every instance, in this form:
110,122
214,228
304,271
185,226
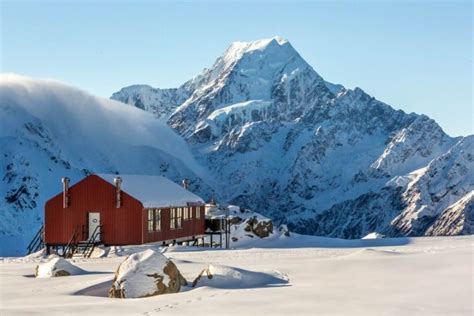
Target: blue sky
413,55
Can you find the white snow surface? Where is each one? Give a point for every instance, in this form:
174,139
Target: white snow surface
154,191
48,269
390,276
373,235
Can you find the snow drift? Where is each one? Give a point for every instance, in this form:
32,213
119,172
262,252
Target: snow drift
226,277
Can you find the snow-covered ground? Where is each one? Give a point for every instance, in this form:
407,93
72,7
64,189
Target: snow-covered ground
405,276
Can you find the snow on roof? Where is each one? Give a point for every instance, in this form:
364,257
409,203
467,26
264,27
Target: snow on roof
154,191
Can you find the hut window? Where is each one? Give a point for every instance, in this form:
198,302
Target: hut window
173,218
150,220
179,218
186,213
198,212
157,220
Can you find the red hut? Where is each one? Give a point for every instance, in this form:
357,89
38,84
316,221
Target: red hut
122,210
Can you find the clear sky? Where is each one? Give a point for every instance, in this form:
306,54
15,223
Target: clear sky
413,55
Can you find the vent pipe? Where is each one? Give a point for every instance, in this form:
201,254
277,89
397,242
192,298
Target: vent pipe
65,182
185,184
118,192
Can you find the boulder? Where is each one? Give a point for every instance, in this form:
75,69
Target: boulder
57,267
146,273
259,227
234,220
283,229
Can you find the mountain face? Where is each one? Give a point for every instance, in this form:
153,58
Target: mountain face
326,160
261,129
49,130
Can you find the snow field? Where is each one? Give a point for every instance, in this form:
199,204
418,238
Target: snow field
419,276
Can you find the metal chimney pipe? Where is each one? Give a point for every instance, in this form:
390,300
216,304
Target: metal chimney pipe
118,192
185,184
65,182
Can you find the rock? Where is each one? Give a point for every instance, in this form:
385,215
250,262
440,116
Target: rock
146,273
283,229
207,272
457,219
234,220
259,227
57,267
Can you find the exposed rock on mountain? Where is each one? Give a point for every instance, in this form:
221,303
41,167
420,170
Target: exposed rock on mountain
322,158
260,129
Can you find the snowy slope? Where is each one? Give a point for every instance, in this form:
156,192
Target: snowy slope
161,102
393,276
281,140
49,130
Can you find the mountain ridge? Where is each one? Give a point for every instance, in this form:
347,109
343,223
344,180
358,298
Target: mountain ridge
264,131
271,128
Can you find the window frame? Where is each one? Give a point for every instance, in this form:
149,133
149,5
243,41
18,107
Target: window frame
179,218
197,212
157,219
186,213
150,220
172,218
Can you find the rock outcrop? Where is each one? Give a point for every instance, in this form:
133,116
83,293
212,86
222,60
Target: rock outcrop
259,227
277,138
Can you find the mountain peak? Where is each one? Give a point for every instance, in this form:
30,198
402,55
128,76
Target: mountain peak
259,44
271,46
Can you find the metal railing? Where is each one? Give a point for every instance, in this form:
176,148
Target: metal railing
71,246
37,242
92,241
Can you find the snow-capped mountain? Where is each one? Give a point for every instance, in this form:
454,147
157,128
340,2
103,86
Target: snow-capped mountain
324,159
160,102
261,129
49,130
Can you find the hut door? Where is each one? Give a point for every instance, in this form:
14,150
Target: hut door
94,221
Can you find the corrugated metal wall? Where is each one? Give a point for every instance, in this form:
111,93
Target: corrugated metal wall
126,225
121,226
